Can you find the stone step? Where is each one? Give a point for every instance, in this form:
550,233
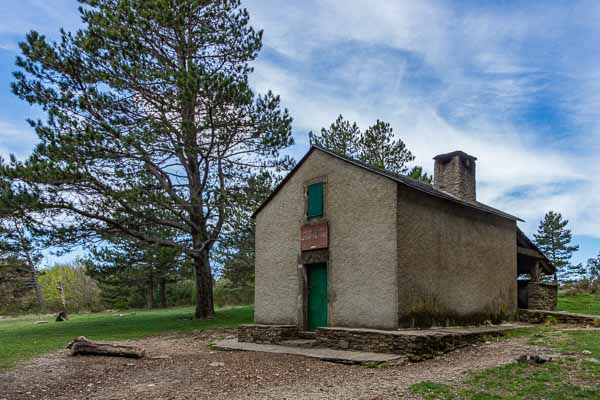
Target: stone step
303,343
338,356
307,334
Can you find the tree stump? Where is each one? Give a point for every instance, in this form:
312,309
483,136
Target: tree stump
83,346
62,316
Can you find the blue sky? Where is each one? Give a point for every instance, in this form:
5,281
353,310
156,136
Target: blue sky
516,84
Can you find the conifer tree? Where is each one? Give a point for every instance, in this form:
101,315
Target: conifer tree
375,146
593,269
417,173
148,108
554,240
235,251
341,137
378,147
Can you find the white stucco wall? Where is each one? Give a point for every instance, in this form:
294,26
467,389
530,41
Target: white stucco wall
362,271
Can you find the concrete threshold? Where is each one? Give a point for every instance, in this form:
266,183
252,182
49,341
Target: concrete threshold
323,354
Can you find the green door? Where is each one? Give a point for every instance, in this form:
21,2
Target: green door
317,296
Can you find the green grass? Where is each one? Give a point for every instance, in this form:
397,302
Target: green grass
573,376
22,339
555,380
579,303
569,341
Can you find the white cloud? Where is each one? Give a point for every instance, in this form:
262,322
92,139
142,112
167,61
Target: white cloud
489,66
16,140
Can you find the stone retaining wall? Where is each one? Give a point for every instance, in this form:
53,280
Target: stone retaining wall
542,296
271,334
415,344
539,316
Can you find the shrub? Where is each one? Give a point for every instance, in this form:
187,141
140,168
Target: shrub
225,295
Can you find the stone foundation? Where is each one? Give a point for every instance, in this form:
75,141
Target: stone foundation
539,316
542,296
415,344
271,334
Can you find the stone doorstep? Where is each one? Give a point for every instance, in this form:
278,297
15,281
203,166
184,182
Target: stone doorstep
474,330
323,354
265,326
305,343
411,343
565,317
562,313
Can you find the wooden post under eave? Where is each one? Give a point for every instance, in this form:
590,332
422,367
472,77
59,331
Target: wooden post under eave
535,272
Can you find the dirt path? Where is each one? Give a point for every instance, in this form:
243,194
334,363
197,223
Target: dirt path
189,369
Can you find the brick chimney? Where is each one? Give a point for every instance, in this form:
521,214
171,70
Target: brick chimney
455,174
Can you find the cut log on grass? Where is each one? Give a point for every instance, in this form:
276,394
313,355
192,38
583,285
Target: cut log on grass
83,346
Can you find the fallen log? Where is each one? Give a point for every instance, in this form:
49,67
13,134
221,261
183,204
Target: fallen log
83,346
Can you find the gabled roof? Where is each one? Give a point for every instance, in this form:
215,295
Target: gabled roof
402,179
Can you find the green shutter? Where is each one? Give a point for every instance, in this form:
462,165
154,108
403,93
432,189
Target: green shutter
315,200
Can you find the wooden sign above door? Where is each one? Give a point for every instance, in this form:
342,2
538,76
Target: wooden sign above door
313,237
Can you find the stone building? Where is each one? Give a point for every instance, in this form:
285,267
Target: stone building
340,243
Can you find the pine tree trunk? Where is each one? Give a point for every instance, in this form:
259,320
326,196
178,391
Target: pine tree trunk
162,292
34,280
204,294
36,287
150,292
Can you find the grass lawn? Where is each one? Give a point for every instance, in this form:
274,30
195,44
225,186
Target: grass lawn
574,376
579,303
22,339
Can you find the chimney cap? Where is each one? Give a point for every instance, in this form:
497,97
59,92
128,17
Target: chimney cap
448,156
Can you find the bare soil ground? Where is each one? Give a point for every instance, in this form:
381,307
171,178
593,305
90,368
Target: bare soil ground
182,366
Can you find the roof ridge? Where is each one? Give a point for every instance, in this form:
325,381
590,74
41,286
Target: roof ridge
403,179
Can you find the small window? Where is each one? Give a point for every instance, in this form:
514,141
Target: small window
314,200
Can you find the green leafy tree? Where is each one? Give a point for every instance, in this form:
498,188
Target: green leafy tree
554,240
148,108
378,147
81,291
417,173
342,137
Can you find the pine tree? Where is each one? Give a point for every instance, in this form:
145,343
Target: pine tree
378,148
375,146
554,240
235,252
124,266
21,244
593,269
417,173
341,137
148,108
